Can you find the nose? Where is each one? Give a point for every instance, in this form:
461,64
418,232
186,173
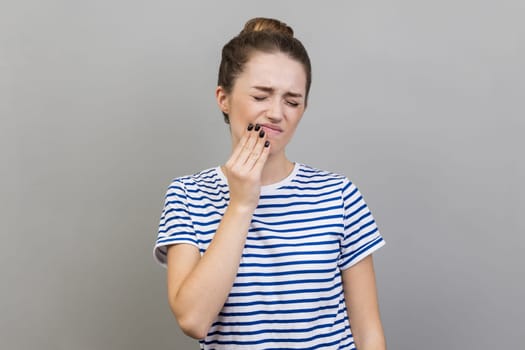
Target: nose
275,111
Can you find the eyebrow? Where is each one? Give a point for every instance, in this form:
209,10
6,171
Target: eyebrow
271,90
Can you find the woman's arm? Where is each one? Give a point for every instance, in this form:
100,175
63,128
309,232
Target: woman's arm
362,306
199,286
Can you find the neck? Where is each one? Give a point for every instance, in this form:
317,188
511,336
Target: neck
277,168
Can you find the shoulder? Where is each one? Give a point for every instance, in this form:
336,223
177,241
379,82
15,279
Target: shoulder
204,179
309,174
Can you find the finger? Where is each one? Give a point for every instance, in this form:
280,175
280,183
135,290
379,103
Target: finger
257,150
261,161
247,149
242,143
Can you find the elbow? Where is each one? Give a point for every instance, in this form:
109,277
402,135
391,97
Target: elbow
191,322
193,326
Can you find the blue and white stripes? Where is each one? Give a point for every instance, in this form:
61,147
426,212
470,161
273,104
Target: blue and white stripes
288,291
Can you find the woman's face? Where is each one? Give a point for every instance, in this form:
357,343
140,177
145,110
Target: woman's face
271,92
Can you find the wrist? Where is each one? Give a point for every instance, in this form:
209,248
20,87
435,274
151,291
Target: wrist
237,208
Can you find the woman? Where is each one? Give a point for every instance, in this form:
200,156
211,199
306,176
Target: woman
264,253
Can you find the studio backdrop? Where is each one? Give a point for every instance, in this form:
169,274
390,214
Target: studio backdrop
102,103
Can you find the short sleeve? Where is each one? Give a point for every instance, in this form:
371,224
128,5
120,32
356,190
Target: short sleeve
175,224
361,236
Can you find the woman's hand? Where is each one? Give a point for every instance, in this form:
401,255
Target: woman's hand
244,168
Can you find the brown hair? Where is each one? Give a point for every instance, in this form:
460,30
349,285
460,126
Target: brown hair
265,35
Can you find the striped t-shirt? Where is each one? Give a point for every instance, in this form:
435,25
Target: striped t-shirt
288,291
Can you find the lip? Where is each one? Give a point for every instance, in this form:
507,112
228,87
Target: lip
271,129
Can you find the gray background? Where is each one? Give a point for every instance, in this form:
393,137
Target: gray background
102,103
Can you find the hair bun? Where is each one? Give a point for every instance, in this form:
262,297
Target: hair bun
267,24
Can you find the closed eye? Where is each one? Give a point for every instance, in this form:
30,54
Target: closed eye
259,98
292,103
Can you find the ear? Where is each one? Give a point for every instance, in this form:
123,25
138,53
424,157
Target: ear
222,99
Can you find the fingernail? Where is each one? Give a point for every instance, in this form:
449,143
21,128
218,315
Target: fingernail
250,127
267,143
257,127
261,133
